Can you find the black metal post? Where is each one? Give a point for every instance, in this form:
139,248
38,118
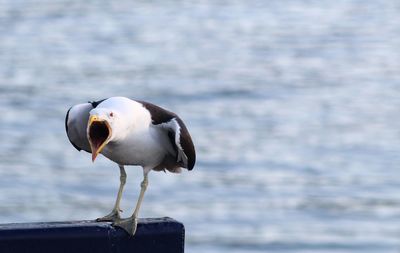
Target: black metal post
153,235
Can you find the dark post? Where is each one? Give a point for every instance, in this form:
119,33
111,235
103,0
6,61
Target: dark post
153,235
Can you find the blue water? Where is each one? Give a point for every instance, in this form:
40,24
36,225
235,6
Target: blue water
294,107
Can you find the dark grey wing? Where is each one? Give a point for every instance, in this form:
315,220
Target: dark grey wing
178,134
76,123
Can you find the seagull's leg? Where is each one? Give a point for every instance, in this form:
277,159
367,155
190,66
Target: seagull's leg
130,224
114,215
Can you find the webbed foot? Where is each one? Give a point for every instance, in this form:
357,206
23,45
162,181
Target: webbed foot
128,224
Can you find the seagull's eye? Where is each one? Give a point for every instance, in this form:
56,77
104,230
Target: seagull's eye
111,114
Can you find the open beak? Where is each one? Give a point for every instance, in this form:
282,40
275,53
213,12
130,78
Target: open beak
99,133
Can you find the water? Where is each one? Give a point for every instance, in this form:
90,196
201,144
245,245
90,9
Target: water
293,107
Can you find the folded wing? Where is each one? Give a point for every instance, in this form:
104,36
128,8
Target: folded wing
177,132
76,122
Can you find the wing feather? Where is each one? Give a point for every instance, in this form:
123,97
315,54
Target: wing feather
180,138
76,123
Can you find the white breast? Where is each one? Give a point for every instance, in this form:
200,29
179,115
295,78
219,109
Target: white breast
139,148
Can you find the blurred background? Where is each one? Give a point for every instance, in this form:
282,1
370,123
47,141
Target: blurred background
293,107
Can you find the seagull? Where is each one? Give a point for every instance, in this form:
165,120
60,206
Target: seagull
131,132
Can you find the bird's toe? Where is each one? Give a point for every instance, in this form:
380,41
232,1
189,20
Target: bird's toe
113,216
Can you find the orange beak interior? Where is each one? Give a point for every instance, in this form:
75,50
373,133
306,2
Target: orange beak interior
99,133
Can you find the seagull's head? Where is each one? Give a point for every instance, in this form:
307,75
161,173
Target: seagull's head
100,129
